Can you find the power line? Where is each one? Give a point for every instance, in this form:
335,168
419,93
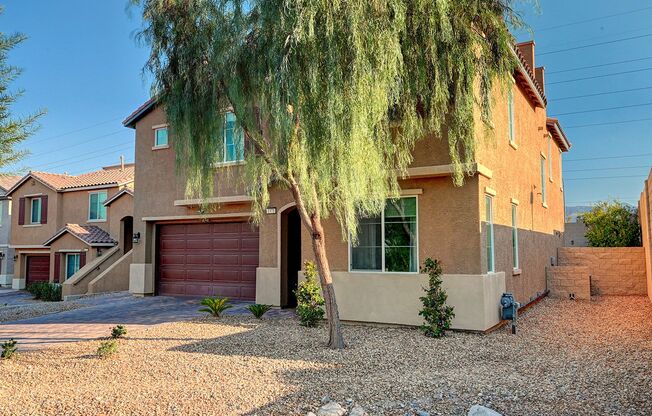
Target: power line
74,131
596,44
605,177
593,19
82,160
103,150
92,139
607,157
579,68
597,110
608,123
599,76
600,93
624,167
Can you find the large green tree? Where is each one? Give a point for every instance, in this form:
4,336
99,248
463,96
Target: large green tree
332,95
13,129
612,224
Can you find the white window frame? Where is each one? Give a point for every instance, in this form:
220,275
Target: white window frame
382,239
65,271
156,130
511,117
561,176
491,260
223,161
100,203
550,158
2,211
516,261
31,210
544,199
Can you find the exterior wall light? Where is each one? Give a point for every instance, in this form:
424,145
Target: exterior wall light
136,238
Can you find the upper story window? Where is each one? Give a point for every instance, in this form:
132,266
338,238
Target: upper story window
388,242
233,140
35,211
550,157
515,236
489,220
161,137
543,180
96,208
510,114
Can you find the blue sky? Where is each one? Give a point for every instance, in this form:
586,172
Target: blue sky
82,64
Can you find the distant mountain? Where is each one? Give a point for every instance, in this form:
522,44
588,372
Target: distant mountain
573,212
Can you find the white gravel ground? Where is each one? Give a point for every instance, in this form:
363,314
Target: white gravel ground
31,310
569,358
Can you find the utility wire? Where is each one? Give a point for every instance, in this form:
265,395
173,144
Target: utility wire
92,139
599,76
605,177
600,93
607,157
579,68
83,160
103,150
624,167
593,19
596,44
578,126
597,110
74,131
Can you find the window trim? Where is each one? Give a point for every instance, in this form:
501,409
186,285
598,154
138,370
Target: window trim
65,271
511,117
382,237
490,222
223,162
542,168
89,219
156,130
31,210
516,258
550,159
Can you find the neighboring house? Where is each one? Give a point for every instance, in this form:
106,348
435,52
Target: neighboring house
497,233
63,222
575,234
6,252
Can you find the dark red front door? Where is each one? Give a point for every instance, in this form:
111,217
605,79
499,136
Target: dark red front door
207,259
38,269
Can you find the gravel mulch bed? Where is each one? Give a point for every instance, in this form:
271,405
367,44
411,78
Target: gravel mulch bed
568,358
32,310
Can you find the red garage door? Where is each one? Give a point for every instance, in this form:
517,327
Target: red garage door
207,259
38,269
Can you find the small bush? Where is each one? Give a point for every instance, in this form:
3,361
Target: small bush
215,306
259,310
118,331
309,298
107,348
9,349
437,314
46,291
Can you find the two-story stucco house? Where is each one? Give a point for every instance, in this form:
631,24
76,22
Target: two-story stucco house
61,223
6,252
496,233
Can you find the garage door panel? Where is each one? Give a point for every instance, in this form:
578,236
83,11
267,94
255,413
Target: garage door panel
208,259
38,268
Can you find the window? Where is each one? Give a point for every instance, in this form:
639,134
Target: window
515,235
233,140
543,179
388,242
561,179
35,210
96,208
489,214
550,157
161,137
2,208
510,114
72,264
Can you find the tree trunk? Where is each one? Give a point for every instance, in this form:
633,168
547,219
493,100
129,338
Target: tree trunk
314,227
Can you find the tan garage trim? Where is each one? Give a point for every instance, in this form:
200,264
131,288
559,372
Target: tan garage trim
199,216
236,199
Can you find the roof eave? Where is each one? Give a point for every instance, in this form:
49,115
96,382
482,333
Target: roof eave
558,133
140,112
24,179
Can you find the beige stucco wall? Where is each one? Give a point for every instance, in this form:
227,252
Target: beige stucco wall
116,211
115,278
69,242
645,214
569,282
30,234
575,234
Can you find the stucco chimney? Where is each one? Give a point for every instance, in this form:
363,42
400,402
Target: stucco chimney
538,74
527,50
122,162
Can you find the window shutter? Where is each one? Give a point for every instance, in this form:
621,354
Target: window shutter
82,259
21,211
57,267
44,209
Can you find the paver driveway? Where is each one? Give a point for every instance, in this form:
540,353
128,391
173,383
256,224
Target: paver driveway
100,314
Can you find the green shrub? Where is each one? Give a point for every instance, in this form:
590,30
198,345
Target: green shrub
107,348
46,291
309,297
118,331
612,224
435,312
215,306
9,349
259,310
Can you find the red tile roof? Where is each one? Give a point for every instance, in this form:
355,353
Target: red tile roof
7,181
110,175
90,234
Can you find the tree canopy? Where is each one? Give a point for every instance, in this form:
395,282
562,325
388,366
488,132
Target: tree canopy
612,224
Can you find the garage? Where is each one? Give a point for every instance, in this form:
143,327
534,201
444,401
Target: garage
38,269
207,259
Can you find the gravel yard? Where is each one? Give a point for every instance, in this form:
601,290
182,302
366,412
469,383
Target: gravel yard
569,358
31,310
